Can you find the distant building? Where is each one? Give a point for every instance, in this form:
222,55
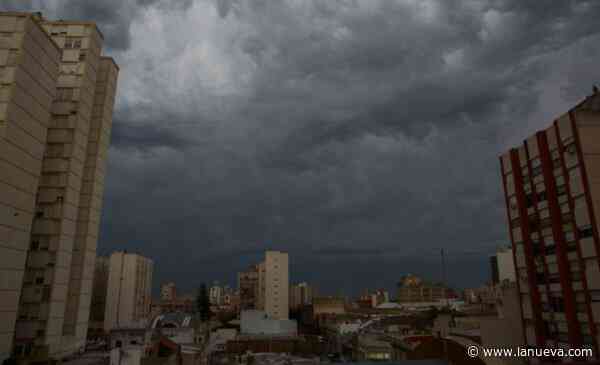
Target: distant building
215,294
495,276
128,297
328,305
98,304
300,295
168,292
276,285
412,289
248,288
552,189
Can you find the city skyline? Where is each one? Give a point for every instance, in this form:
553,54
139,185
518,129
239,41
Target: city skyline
329,138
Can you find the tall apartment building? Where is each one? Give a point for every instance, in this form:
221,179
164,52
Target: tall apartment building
248,288
29,66
57,96
98,303
276,285
552,190
128,297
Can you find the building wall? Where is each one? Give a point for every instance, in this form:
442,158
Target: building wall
549,184
128,297
277,284
28,72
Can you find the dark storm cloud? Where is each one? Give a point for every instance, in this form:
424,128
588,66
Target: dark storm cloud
361,136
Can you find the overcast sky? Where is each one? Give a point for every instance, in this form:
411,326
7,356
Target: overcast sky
361,136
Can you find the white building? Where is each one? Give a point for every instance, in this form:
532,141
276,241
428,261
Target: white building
128,296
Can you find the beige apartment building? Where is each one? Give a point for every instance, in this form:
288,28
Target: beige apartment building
56,101
128,297
552,191
276,284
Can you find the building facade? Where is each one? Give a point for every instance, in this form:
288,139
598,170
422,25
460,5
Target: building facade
27,53
552,190
57,97
128,297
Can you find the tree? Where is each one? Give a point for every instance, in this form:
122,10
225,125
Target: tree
203,303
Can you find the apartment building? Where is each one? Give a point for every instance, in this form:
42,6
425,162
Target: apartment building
128,296
29,67
276,284
552,190
57,97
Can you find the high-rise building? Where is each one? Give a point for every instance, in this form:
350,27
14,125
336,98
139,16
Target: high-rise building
168,292
276,285
56,102
29,62
248,288
128,297
98,305
552,191
300,295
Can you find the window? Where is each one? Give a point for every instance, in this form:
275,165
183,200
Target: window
561,190
536,171
35,245
82,56
77,43
571,149
39,280
586,231
541,196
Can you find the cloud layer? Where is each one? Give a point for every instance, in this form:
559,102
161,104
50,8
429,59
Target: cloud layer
361,136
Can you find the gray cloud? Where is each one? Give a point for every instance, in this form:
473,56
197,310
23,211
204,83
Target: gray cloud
361,136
